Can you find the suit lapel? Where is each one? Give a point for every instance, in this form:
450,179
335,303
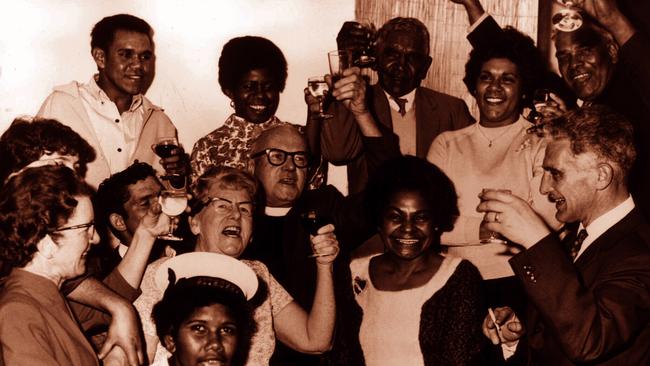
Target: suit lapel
382,109
608,239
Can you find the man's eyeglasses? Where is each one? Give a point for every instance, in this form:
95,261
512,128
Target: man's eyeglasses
277,157
224,206
80,226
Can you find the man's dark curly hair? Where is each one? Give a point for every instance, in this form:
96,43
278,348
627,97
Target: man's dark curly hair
186,296
33,204
243,54
113,192
520,50
412,174
26,141
103,32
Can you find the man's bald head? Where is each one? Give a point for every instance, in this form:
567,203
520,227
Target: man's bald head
278,158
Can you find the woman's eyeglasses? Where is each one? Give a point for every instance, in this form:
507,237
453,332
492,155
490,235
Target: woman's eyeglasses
224,206
277,157
80,226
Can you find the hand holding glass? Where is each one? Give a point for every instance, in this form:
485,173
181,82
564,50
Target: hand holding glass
486,236
173,200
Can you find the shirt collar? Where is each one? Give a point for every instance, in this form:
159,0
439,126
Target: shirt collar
605,222
276,211
236,120
101,96
410,98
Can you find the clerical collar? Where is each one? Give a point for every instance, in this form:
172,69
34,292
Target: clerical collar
276,211
410,98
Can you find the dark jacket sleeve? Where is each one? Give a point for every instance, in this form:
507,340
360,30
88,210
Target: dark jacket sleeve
341,139
596,322
485,34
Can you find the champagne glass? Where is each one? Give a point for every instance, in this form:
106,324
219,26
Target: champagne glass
339,60
318,88
173,203
487,236
567,19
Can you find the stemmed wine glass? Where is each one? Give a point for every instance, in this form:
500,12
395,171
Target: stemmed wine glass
173,199
318,88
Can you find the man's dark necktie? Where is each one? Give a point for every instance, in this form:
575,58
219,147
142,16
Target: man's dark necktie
401,102
577,243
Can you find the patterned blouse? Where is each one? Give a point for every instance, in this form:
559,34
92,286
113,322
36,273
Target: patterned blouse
263,342
229,144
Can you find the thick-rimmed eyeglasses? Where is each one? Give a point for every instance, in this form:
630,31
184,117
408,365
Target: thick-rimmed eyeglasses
277,157
224,206
80,226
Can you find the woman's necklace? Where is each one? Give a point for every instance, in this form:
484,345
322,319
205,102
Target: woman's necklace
493,139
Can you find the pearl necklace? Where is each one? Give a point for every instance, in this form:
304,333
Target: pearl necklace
492,140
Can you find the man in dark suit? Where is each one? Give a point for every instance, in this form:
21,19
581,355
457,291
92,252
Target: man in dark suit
589,298
415,114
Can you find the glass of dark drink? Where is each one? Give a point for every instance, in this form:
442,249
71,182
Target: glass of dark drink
165,146
173,199
312,221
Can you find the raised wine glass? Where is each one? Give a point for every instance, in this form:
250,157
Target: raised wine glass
339,60
173,203
318,88
173,199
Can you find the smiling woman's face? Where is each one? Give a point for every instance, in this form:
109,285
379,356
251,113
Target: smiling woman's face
498,92
256,96
407,227
223,230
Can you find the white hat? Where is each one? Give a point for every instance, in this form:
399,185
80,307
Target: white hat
206,264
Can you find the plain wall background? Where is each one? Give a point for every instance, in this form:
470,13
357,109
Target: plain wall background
45,43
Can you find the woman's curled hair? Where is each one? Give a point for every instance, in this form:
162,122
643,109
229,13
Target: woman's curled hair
412,174
241,55
33,204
